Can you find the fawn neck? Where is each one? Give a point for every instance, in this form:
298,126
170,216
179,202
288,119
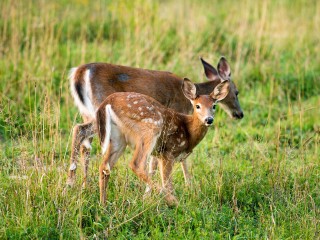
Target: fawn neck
196,129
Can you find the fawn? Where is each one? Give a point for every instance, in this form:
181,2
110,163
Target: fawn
141,122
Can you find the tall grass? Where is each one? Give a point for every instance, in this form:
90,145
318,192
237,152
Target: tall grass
256,178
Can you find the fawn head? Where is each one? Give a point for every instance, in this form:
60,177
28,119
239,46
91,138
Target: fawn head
204,105
230,103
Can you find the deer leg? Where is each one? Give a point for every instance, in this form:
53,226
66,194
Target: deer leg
81,132
166,166
85,156
114,151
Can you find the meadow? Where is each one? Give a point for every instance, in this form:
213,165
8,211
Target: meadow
257,178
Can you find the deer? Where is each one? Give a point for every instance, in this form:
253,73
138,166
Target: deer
137,120
91,83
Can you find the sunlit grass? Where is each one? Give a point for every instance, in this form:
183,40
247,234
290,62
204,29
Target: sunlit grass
254,178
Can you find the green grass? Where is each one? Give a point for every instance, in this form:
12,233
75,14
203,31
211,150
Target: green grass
257,178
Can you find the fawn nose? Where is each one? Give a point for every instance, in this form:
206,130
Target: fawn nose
209,120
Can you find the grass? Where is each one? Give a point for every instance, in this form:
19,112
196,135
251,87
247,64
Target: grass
257,178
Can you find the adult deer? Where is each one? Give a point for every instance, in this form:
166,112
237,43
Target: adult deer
137,120
92,83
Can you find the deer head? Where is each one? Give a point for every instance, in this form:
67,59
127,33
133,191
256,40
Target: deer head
230,103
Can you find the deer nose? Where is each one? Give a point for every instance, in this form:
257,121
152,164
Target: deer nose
209,120
238,115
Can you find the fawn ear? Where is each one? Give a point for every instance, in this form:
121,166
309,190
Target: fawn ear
210,71
224,69
220,91
189,89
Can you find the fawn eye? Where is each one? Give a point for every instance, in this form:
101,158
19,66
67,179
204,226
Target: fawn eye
198,106
214,107
237,93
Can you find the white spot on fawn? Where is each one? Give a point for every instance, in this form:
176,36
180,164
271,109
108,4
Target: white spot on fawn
157,123
147,120
129,105
135,102
141,113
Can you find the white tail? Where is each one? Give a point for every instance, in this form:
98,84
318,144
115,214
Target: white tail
140,121
80,87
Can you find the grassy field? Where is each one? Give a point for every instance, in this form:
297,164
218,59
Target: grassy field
258,178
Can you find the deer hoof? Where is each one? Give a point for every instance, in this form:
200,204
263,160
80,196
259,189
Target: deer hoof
147,193
84,184
171,200
106,171
73,167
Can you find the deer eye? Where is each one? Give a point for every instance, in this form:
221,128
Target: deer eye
237,92
197,106
214,107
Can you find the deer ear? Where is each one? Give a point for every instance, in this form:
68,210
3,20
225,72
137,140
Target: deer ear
189,89
210,71
220,91
224,69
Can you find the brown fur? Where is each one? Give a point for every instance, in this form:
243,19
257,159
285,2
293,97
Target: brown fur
101,116
151,128
106,81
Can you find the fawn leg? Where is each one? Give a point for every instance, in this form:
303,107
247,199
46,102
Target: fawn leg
186,174
153,164
139,161
166,166
114,151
